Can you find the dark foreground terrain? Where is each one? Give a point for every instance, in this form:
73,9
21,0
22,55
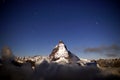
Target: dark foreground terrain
54,71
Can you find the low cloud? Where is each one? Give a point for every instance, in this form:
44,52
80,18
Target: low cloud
112,55
110,51
54,71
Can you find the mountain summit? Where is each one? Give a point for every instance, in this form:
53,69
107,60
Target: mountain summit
61,54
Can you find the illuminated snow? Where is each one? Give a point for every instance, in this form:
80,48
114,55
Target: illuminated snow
62,52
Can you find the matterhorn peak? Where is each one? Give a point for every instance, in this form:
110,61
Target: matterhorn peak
61,54
61,41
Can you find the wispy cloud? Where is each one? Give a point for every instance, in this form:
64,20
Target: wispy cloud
110,51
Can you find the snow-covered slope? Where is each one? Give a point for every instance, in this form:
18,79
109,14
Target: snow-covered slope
61,54
36,59
62,51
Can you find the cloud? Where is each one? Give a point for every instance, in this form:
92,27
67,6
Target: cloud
110,51
54,71
112,55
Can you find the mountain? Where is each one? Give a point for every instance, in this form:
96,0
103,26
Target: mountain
61,54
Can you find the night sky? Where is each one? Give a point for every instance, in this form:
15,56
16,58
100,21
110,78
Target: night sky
89,28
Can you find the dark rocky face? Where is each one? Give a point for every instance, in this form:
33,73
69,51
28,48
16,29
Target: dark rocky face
53,53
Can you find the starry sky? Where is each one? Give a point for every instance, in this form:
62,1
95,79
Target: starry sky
89,28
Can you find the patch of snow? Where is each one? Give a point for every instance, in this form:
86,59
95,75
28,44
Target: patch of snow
62,59
85,60
62,52
44,58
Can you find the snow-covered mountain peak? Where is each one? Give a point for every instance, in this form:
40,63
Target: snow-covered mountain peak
62,50
61,53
